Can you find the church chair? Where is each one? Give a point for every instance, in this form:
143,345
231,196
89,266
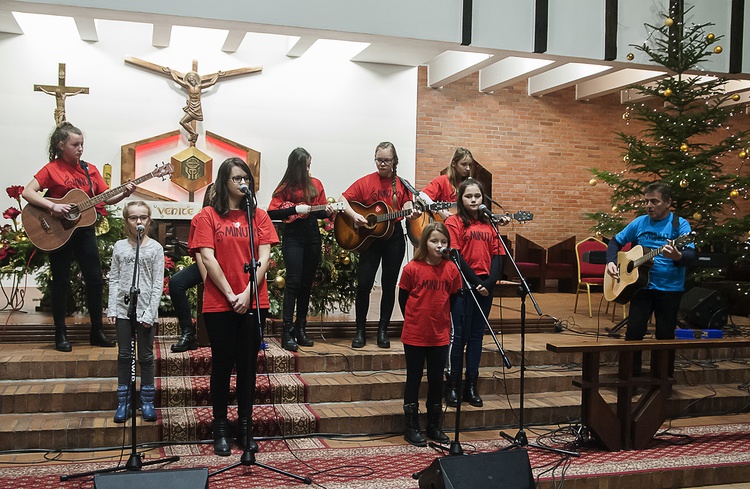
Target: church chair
561,264
589,273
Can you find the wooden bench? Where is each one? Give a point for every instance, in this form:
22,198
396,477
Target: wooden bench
630,426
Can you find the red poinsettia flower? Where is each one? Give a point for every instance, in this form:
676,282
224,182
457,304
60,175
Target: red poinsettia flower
11,213
165,286
101,210
14,191
168,263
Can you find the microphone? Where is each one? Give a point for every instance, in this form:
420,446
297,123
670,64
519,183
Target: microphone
140,229
484,210
83,164
245,189
444,250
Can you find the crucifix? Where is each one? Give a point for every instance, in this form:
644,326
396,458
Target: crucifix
60,91
194,84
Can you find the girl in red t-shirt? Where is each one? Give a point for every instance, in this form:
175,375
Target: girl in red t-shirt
444,188
428,286
301,242
222,237
64,172
481,261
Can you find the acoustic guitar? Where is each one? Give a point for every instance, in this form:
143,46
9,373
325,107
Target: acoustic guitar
415,227
49,233
336,206
379,225
634,267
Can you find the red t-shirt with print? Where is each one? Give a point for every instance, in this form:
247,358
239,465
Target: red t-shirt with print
372,188
427,318
441,190
477,243
59,177
296,196
228,236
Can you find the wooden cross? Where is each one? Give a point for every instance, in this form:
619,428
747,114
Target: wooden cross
60,91
194,84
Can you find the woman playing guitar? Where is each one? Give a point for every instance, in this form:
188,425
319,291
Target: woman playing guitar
64,172
381,186
300,245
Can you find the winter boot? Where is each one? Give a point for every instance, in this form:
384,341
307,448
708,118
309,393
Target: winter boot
188,340
470,391
123,404
61,339
451,395
221,438
147,403
412,433
98,338
383,341
287,337
245,435
360,339
301,334
434,424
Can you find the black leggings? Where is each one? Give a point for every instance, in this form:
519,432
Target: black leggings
235,341
436,357
302,257
391,253
179,284
82,247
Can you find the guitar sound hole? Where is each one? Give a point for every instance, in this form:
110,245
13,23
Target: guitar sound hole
630,267
372,221
73,214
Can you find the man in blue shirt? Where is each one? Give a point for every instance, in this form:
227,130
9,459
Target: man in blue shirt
661,297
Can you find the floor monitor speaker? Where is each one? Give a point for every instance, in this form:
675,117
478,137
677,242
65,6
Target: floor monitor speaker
704,308
507,470
154,479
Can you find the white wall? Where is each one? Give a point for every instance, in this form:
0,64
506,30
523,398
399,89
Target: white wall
336,109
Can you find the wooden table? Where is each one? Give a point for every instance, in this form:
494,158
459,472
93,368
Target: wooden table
629,427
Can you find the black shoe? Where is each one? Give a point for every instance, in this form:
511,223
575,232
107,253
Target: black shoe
98,338
360,340
62,344
301,334
222,447
187,341
383,341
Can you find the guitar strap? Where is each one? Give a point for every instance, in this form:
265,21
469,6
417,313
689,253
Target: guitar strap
675,225
85,167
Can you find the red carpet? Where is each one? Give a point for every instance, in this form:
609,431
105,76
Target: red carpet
725,448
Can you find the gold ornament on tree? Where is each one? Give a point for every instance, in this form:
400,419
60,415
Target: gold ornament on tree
736,97
710,37
697,216
593,182
667,92
614,208
684,183
630,57
626,115
684,147
346,260
331,200
743,154
718,50
669,21
734,193
279,282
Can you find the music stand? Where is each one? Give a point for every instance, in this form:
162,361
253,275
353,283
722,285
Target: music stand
134,462
248,453
520,440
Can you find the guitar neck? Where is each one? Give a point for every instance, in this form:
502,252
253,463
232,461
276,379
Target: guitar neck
316,208
102,197
390,216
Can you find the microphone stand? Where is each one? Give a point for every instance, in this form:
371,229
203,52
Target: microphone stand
134,461
520,440
248,454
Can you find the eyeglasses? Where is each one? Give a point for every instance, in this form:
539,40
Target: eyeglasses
384,161
238,179
137,218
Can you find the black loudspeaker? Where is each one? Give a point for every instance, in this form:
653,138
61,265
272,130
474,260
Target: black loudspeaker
508,470
704,308
154,479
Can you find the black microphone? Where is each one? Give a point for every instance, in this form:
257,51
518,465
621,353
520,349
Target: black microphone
83,164
484,210
445,250
245,189
140,229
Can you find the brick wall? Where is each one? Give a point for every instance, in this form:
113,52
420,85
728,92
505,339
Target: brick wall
537,148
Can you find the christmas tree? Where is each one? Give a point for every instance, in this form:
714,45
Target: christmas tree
685,140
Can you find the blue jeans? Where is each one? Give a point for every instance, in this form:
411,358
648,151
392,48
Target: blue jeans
468,332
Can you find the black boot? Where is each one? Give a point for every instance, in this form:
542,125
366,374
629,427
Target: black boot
61,339
245,435
301,334
470,391
221,438
383,341
412,433
360,339
188,340
98,338
451,395
434,424
287,337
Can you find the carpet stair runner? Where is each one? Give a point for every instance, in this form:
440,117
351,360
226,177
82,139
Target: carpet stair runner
59,400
